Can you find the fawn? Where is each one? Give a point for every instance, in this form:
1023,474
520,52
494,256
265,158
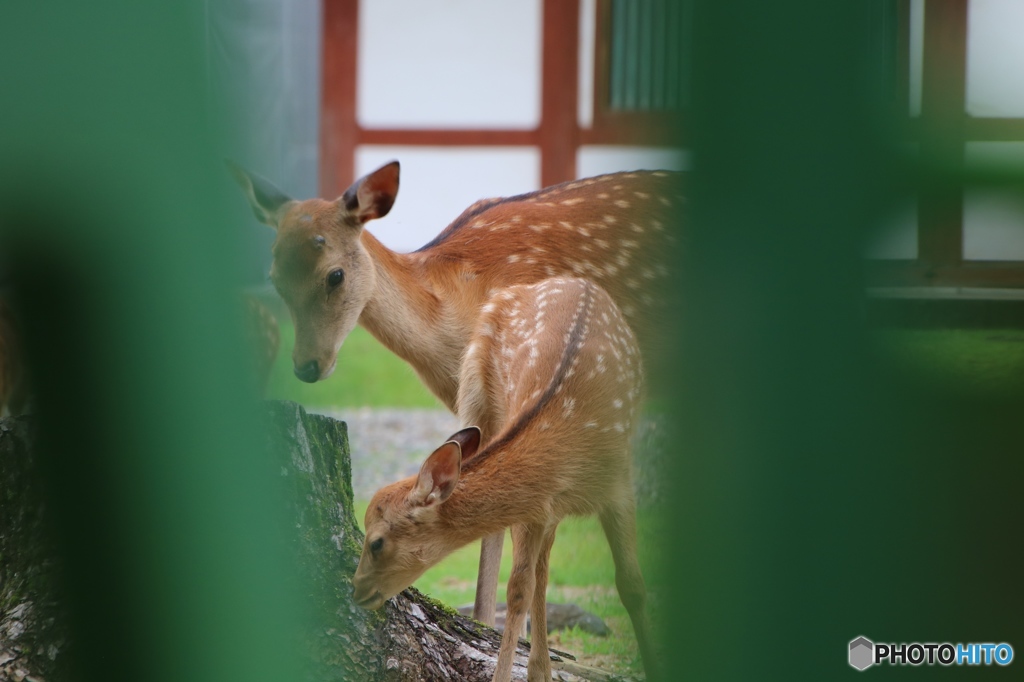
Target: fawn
424,306
570,364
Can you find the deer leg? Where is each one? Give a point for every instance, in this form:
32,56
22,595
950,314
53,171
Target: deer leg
619,522
474,380
539,667
527,541
487,578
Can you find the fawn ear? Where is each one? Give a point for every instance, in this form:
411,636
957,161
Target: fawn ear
373,195
438,476
266,199
468,440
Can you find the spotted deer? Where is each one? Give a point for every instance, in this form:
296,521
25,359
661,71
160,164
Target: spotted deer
332,274
570,365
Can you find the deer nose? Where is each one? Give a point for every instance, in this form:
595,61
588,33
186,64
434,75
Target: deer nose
308,372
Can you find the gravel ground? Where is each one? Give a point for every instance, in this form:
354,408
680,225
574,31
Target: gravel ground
391,443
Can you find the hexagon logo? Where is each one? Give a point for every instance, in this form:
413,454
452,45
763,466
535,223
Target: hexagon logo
862,652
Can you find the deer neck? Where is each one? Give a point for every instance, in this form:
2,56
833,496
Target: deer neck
406,315
490,498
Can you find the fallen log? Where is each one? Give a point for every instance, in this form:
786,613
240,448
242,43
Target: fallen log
412,638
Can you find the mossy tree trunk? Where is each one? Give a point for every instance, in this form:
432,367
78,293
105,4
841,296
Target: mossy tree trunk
411,638
33,631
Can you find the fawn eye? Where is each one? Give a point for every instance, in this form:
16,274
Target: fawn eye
376,545
335,278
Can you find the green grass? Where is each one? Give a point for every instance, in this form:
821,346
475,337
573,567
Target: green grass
977,361
367,375
581,572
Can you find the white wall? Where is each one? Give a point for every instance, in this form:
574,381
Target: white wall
437,183
994,218
449,64
599,159
995,57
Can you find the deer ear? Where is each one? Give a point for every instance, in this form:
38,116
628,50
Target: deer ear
438,476
266,199
468,440
372,196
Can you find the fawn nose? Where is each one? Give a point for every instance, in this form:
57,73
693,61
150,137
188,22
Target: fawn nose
308,372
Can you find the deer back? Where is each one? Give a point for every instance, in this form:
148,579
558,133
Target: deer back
563,362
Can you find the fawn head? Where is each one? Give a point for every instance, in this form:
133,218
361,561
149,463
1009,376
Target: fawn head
320,267
404,536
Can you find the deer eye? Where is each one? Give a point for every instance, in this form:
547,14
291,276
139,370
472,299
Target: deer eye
376,545
335,277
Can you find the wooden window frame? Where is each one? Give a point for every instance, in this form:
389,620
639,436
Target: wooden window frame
611,126
943,130
558,136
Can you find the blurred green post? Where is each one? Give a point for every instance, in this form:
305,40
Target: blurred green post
820,495
116,239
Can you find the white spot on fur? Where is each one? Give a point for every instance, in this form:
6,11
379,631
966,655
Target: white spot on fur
514,258
622,203
642,195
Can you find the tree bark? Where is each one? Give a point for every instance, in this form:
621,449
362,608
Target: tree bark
33,629
412,638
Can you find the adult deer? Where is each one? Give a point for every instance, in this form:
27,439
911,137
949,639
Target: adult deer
571,367
424,306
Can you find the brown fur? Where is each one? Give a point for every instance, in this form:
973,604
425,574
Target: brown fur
615,230
568,366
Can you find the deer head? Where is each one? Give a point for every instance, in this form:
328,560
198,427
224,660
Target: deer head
320,267
404,534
